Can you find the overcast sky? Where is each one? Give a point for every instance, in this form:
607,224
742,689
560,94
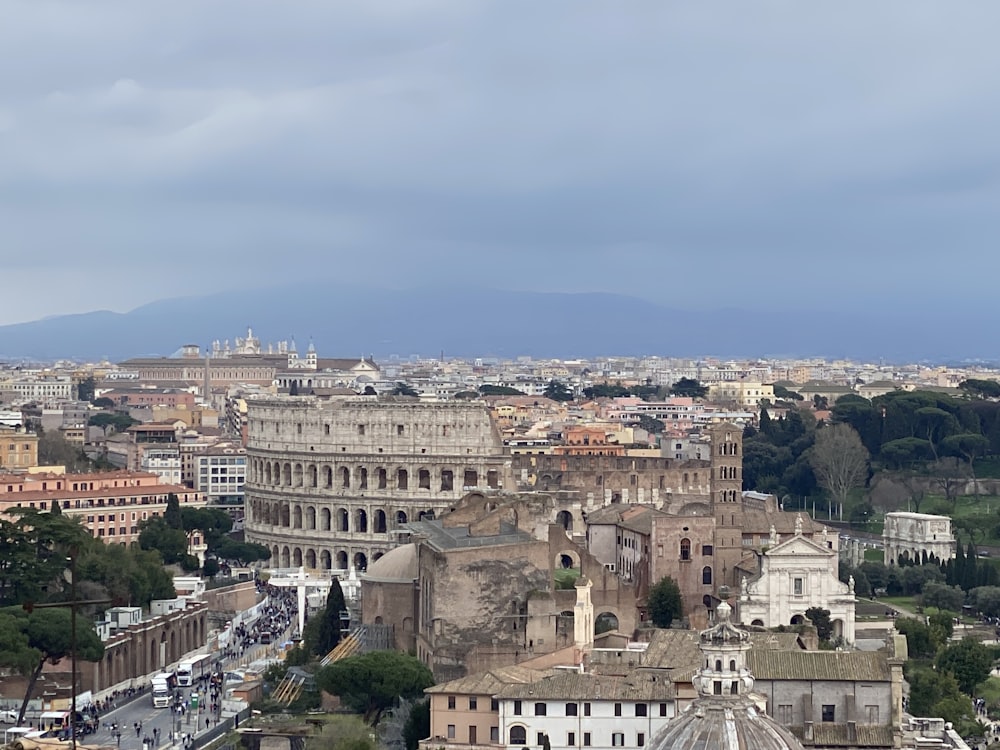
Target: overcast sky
695,154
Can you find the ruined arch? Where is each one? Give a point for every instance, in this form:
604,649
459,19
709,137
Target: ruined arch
565,519
605,621
360,562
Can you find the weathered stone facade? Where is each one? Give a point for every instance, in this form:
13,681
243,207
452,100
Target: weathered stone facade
331,483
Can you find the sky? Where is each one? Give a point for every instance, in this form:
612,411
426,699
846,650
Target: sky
786,155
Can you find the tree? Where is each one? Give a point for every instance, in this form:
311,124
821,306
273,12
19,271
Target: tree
839,459
103,403
418,724
968,661
55,450
784,394
371,683
986,600
651,424
85,389
172,513
116,420
242,553
50,635
689,387
328,635
936,694
156,534
942,596
293,389
820,618
404,389
499,390
974,388
918,637
665,603
557,391
969,446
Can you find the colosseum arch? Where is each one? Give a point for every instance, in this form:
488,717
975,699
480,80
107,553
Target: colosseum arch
286,515
286,557
326,559
376,556
297,517
381,478
379,525
297,475
402,480
310,559
267,472
297,558
342,560
324,519
362,478
310,517
345,477
286,475
565,519
328,477
361,521
400,517
343,520
313,476
276,554
360,562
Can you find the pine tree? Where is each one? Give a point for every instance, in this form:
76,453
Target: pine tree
329,631
766,428
970,579
55,508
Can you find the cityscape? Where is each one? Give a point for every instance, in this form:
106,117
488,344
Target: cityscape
477,375
563,541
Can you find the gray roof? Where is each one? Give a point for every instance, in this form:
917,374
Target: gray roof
849,666
444,538
577,686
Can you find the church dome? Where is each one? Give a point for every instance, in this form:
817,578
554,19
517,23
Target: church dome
398,565
723,717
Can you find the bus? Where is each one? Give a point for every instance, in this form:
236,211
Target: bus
191,670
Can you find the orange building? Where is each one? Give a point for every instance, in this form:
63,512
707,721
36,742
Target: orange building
587,440
111,504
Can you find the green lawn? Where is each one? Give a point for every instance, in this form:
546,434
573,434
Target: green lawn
874,555
909,603
990,690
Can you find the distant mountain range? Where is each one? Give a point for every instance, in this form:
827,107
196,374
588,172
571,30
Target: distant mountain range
467,322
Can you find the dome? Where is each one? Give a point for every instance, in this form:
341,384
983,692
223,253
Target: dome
395,566
724,724
723,716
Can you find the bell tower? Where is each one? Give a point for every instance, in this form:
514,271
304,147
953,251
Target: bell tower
727,467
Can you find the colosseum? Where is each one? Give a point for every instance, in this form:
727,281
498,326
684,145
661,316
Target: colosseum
331,482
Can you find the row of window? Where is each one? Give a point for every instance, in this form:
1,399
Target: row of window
572,709
519,736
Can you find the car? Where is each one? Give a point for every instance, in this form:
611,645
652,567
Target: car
8,717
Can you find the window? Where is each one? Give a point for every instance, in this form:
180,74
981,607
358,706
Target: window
618,709
517,710
829,712
540,736
663,709
586,739
473,704
640,739
717,687
571,739
494,704
361,429
586,710
706,550
451,702
706,575
539,709
785,714
518,736
797,587
571,709
685,549
640,709
451,731
495,735
871,714
618,739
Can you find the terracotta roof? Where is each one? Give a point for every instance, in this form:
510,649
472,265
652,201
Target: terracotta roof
486,683
850,666
836,735
570,686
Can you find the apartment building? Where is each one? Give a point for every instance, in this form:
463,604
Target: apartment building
111,504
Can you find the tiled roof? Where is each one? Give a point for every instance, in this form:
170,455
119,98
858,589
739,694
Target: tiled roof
848,666
565,685
486,683
836,735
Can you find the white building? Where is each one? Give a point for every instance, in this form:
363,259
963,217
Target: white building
911,535
165,462
583,710
220,474
794,576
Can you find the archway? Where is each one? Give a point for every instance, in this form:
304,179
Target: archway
297,558
380,522
310,558
285,557
361,521
344,519
604,622
798,620
565,519
297,517
310,517
400,518
342,560
565,625
324,519
326,559
566,559
360,562
758,623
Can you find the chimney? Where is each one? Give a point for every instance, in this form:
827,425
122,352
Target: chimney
808,736
852,731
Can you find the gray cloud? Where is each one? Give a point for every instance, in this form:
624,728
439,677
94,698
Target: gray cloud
795,154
